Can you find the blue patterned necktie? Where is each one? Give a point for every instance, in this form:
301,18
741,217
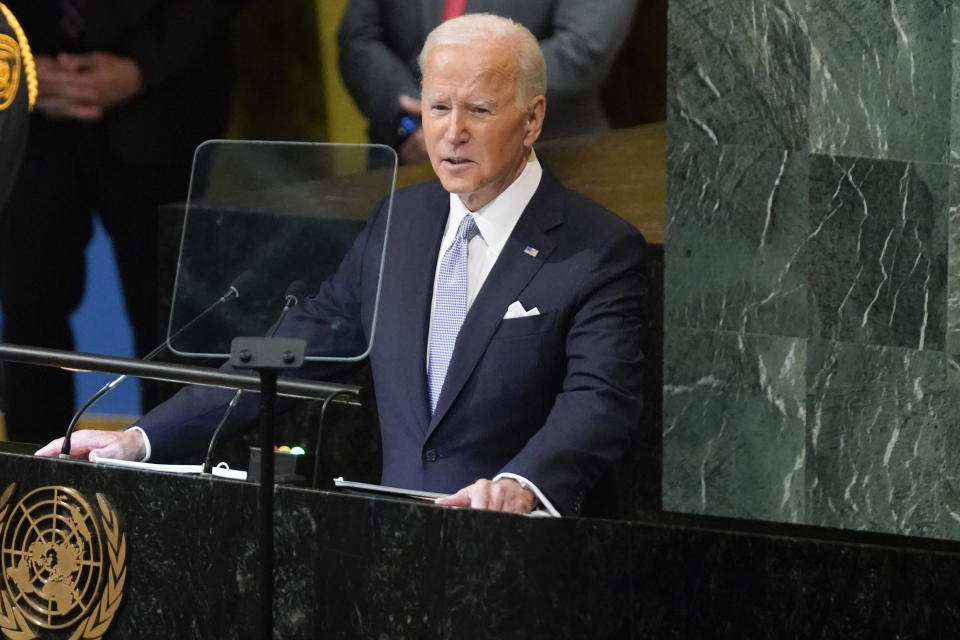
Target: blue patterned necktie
449,306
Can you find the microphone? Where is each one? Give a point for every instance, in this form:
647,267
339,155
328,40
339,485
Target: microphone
241,283
297,289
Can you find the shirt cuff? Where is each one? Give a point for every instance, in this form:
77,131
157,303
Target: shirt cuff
526,484
146,442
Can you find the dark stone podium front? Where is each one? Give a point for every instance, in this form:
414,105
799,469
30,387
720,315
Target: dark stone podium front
357,567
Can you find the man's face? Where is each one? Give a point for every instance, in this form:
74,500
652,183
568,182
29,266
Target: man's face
477,137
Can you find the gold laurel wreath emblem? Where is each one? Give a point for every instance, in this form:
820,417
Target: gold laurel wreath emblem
26,55
9,70
12,622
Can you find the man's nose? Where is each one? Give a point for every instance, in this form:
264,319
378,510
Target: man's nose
457,126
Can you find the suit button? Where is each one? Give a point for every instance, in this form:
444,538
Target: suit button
430,455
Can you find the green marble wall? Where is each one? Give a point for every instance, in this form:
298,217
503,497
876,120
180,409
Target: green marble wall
812,277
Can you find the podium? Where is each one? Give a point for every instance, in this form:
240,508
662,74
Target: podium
349,566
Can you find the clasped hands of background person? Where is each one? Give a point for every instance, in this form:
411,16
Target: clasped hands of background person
83,86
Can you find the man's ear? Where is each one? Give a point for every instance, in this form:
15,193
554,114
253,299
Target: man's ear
535,115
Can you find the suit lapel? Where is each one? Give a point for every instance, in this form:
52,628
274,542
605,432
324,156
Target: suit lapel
415,236
510,274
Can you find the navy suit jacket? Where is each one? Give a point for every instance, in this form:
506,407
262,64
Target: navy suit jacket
553,397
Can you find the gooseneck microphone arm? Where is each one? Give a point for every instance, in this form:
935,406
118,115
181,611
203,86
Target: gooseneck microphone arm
319,448
240,283
208,460
295,291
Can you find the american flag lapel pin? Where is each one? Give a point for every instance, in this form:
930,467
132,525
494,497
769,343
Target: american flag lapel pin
530,251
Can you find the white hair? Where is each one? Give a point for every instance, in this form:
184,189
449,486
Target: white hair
482,28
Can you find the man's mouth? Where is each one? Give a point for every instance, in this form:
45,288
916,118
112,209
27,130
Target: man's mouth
456,161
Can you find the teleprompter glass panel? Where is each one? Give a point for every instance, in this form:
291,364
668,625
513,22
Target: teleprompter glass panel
266,221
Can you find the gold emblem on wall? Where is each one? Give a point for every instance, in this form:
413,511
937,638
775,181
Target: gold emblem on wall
9,70
62,564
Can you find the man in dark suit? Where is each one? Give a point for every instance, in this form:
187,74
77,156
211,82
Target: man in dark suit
380,39
506,361
126,92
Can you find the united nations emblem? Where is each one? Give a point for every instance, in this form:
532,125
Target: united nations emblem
9,70
63,564
14,54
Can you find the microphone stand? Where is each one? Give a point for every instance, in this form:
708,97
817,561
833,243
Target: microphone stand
268,401
208,459
319,447
295,291
267,356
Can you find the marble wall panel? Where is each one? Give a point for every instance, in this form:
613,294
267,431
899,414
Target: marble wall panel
953,264
878,419
734,419
877,252
813,218
949,487
955,85
881,78
736,217
738,72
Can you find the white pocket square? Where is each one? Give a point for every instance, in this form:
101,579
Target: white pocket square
516,310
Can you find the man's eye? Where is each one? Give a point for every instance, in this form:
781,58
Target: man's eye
439,107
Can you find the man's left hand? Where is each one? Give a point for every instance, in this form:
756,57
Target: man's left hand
505,494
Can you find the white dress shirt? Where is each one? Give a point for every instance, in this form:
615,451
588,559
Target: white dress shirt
495,220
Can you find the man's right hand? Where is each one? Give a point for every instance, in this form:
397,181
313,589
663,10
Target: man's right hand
92,444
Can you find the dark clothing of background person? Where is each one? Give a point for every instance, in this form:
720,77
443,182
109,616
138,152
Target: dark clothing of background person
380,40
121,166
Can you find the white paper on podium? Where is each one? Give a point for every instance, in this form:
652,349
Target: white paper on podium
429,496
188,469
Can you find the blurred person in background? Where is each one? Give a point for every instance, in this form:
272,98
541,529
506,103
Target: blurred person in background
127,90
380,39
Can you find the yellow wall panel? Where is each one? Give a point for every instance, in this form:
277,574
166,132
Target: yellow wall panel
345,123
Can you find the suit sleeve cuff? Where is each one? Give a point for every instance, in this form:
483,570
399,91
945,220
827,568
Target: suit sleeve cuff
146,442
545,504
